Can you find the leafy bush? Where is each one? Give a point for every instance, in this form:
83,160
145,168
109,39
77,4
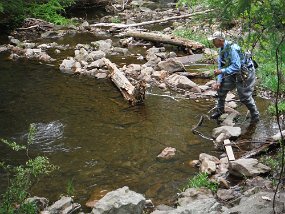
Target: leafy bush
202,180
281,108
51,11
15,11
189,34
21,179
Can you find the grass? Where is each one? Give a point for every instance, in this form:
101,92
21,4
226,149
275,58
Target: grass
189,34
281,108
201,180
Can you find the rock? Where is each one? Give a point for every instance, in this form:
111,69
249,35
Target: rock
229,130
231,104
162,86
133,69
209,206
227,194
178,81
29,45
81,54
3,48
160,75
210,93
14,41
40,202
103,45
171,65
204,156
96,64
64,205
30,53
229,121
101,75
120,50
194,163
191,195
167,153
247,167
257,204
95,55
67,65
122,201
153,62
259,182
219,141
277,136
172,54
208,166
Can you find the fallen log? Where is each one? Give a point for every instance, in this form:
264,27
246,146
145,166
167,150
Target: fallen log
168,39
134,94
118,25
267,146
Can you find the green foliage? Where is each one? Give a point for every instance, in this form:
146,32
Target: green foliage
201,180
21,179
189,34
52,10
115,19
281,108
70,187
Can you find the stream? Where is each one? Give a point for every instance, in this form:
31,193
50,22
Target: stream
100,143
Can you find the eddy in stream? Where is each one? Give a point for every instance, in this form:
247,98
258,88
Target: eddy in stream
235,70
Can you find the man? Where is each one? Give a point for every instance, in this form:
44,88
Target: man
235,70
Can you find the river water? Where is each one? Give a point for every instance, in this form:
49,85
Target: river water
100,142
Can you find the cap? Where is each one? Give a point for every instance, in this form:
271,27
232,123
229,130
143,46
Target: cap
217,35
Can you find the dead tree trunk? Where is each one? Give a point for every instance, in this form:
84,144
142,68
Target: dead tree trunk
134,94
118,25
154,37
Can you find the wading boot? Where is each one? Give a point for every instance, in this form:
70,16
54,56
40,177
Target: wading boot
254,119
217,114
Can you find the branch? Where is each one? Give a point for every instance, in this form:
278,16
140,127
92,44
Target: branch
118,25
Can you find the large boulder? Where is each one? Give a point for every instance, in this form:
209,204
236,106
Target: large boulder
247,167
178,81
68,65
260,203
228,130
120,201
64,205
171,65
103,45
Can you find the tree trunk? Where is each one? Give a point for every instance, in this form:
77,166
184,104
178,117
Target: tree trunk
134,94
118,25
154,37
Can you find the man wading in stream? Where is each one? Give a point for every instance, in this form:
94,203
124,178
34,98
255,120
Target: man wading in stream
235,70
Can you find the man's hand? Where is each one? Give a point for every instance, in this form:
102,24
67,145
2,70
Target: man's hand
217,72
216,86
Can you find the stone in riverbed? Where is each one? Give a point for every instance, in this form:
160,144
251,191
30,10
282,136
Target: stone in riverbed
229,130
122,200
178,81
171,65
167,153
247,167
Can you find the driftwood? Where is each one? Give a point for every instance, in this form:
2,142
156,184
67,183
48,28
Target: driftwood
267,146
118,25
134,94
168,39
229,150
195,131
